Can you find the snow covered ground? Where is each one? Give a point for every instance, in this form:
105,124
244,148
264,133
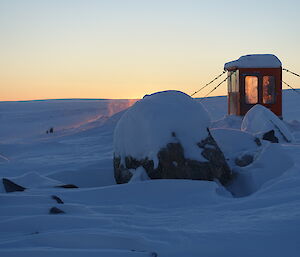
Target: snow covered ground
149,218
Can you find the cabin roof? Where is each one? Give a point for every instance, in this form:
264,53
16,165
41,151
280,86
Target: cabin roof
254,61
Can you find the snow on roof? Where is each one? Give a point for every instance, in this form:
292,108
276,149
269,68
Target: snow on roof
254,61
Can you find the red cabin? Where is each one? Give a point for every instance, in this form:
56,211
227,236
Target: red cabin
254,79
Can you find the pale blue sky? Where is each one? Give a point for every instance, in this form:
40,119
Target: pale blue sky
125,49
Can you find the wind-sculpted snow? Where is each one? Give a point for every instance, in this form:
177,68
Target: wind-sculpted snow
143,218
259,120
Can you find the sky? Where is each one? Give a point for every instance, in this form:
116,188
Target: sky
51,49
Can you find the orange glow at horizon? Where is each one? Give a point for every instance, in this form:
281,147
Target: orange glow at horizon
127,49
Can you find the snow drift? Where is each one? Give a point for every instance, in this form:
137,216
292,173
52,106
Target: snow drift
260,120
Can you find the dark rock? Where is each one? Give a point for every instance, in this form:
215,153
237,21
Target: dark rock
174,165
270,136
151,254
57,199
257,141
55,210
245,160
11,186
68,186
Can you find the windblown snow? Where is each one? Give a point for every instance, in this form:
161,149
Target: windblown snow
257,215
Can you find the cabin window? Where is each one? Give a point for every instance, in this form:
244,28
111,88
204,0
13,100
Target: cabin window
229,84
268,90
251,89
233,82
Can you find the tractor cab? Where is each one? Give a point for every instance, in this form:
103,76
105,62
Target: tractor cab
254,79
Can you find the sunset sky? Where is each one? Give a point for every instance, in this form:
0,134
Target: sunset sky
126,49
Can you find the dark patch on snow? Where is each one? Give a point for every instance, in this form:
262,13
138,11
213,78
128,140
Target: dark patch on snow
10,186
270,136
68,186
244,160
55,210
257,141
151,254
57,199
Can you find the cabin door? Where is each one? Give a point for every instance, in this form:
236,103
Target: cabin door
258,89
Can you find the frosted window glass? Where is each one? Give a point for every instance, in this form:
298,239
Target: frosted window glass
268,90
251,89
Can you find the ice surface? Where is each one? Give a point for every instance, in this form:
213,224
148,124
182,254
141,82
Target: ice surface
254,61
159,119
170,217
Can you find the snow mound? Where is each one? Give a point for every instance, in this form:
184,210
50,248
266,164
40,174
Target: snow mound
139,174
228,121
156,120
259,120
254,61
236,143
271,163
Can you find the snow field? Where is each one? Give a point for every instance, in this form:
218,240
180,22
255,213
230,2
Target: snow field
167,217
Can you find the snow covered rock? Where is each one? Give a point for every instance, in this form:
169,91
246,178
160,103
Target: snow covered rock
261,121
167,134
239,147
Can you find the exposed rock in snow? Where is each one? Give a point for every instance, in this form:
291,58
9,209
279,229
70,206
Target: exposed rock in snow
167,134
239,147
260,120
244,160
55,210
270,136
29,180
254,61
67,186
10,186
57,199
